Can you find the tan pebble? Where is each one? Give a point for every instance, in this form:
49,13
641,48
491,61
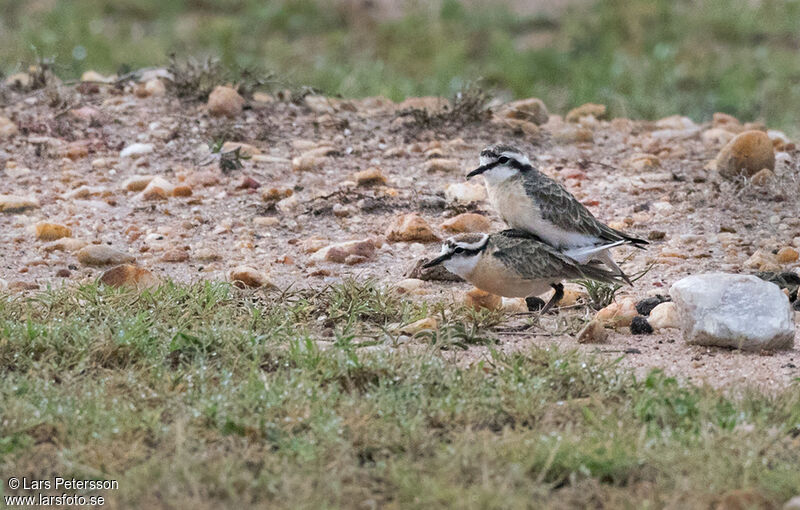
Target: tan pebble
137,182
745,155
21,285
18,80
464,192
245,276
175,255
395,152
155,87
266,221
51,231
313,244
409,285
341,252
436,152
518,126
102,255
410,227
644,162
76,151
618,314
15,203
589,109
370,177
307,163
441,165
66,244
664,315
763,260
787,254
594,332
727,122
531,109
182,191
467,222
352,260
129,275
426,324
207,255
225,101
480,299
157,189
572,134
763,177
571,297
97,77
245,149
275,194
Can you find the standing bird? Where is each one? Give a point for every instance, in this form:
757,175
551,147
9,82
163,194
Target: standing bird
528,200
513,263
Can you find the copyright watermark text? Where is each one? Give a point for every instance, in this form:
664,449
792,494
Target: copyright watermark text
57,491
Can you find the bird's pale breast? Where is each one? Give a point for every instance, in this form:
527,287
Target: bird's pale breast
520,211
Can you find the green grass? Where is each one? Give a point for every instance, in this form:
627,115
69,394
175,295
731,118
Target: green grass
643,58
211,397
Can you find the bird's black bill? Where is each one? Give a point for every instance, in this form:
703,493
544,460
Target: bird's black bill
481,169
435,262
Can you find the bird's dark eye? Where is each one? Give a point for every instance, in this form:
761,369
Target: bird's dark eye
458,250
503,160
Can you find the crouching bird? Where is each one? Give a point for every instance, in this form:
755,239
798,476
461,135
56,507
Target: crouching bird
529,200
514,263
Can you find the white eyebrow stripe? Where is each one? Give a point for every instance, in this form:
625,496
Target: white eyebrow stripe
474,246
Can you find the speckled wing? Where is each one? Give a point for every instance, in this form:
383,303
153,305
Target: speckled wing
559,207
535,260
532,259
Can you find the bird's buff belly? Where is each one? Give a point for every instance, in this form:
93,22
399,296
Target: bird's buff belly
507,286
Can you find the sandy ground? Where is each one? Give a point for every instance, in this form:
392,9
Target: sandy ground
72,151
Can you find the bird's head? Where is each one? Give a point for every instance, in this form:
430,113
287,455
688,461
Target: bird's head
500,162
460,253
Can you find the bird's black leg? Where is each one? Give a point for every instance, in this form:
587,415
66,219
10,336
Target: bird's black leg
557,295
534,303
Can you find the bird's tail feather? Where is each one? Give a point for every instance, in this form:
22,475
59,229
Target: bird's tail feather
585,254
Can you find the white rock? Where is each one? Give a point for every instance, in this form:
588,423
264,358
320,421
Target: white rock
780,136
664,315
155,87
732,310
135,150
288,204
464,192
792,504
17,171
409,286
675,122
